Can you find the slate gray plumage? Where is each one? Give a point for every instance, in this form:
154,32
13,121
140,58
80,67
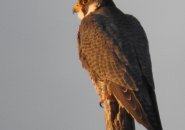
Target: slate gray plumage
113,48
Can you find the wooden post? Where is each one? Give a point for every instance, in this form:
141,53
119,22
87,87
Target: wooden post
117,118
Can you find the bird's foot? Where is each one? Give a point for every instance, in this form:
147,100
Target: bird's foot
102,100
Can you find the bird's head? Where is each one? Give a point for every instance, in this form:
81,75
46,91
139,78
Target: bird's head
85,7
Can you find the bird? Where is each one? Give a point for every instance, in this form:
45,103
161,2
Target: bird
114,49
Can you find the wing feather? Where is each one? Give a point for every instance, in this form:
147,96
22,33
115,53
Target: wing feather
116,49
102,54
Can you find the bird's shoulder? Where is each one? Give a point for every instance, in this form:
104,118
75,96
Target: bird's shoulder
125,32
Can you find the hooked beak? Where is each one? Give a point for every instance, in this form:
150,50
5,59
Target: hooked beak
77,7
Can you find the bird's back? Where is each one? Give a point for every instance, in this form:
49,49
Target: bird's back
133,42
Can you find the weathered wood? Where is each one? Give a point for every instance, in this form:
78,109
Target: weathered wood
116,118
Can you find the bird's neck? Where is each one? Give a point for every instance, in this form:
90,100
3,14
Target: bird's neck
107,3
92,8
96,6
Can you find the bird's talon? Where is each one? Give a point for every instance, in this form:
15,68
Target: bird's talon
102,100
101,105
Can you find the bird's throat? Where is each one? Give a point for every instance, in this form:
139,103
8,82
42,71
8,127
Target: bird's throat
81,15
92,7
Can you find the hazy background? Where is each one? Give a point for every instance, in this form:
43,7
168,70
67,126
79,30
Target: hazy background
42,83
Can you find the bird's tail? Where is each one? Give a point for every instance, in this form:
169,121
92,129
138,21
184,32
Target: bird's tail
116,117
127,99
128,121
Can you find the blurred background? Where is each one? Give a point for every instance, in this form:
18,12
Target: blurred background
42,83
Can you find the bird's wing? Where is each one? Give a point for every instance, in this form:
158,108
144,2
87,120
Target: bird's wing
100,53
143,70
102,56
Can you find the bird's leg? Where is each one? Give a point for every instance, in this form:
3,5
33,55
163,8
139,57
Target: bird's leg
104,94
103,98
99,89
102,89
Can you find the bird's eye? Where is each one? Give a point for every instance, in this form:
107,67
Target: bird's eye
84,2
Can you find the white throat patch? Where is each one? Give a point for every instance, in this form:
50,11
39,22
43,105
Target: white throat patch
91,9
80,15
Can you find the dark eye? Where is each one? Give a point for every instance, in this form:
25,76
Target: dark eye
84,2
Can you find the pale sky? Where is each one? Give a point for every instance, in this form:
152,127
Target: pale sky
42,83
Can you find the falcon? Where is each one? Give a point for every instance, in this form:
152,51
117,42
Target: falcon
114,50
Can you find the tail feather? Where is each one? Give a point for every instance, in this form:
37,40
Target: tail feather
127,99
152,112
147,98
116,117
128,121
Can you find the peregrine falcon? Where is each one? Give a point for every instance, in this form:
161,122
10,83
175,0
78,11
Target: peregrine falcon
114,50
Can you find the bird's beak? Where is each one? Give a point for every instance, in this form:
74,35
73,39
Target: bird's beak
77,7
